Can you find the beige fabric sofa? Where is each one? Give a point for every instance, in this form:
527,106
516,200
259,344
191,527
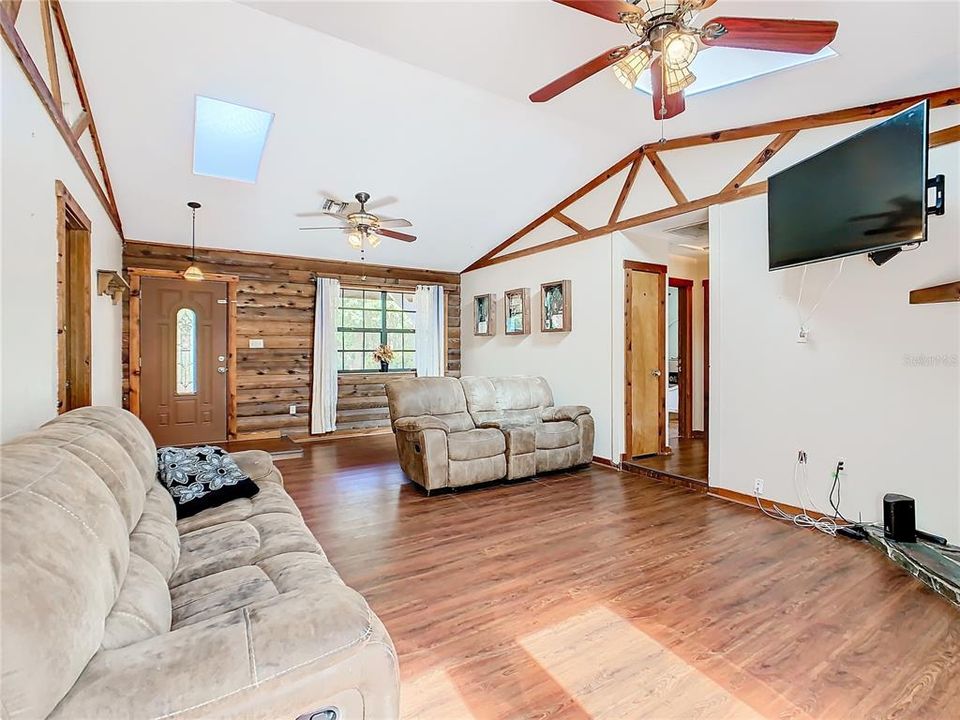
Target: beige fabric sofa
113,609
453,432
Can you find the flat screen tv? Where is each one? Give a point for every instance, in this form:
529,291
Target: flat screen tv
863,195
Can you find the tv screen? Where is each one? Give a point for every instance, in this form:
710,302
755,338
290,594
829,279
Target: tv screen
864,194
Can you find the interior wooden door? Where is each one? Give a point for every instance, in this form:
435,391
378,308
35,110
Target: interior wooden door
685,365
183,360
645,336
74,346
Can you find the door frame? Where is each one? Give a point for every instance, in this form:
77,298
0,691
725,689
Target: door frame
133,373
69,212
661,271
706,356
685,334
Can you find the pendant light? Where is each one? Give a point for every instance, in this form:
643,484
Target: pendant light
193,272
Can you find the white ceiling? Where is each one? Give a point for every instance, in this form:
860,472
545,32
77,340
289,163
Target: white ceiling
426,101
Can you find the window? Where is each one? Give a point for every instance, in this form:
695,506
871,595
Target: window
228,139
368,318
186,352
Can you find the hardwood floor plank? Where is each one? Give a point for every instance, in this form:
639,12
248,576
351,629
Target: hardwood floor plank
746,615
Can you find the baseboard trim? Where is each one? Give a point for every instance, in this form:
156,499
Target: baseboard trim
699,434
597,460
749,500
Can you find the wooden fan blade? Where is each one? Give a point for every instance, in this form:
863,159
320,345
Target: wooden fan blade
606,9
675,104
395,235
579,74
797,36
394,222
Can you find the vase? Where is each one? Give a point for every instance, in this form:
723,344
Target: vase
384,366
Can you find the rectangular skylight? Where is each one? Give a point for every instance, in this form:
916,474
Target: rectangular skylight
720,66
228,139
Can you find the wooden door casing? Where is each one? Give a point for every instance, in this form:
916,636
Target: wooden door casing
175,418
685,368
74,336
645,358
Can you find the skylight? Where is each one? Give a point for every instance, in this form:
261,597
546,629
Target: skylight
228,139
720,67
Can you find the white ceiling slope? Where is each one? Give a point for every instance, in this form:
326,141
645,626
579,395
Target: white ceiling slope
426,101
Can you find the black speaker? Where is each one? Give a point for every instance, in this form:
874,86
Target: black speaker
899,518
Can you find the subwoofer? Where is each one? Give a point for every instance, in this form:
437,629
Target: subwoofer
899,518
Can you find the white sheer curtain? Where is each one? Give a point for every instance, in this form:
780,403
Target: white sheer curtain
428,340
323,402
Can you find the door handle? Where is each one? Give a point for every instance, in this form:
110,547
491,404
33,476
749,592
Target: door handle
222,370
656,373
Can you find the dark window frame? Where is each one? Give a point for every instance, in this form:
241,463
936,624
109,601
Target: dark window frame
384,330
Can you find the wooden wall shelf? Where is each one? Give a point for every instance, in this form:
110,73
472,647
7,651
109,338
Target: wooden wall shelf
949,292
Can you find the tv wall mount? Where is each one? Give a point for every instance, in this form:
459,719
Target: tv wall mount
938,208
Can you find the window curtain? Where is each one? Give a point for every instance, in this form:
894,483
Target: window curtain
323,402
428,339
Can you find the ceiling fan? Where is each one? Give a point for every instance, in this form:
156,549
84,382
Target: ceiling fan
668,43
360,224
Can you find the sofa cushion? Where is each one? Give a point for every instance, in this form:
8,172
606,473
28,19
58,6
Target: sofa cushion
219,593
516,399
271,499
441,397
202,477
142,609
557,435
257,465
475,444
155,538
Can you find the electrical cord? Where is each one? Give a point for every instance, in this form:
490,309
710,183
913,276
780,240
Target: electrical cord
816,305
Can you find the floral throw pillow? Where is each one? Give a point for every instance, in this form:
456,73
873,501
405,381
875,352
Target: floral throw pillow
202,477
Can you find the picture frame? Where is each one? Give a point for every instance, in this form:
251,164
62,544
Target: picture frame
516,311
555,306
484,315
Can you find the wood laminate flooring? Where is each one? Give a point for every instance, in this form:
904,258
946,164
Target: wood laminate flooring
601,594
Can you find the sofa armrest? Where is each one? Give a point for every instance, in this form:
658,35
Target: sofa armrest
564,412
501,424
420,422
281,657
258,466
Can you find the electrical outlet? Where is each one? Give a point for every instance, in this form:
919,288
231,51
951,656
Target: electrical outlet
293,409
758,487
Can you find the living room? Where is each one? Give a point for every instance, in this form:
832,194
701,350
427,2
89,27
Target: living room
351,349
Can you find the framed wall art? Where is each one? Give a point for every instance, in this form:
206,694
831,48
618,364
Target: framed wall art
555,306
516,311
484,315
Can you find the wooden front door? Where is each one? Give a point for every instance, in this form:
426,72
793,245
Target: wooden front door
645,337
183,360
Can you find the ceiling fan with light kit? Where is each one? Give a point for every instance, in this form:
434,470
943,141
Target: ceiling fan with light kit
668,42
362,227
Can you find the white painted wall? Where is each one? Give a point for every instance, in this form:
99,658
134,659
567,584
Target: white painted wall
878,384
34,156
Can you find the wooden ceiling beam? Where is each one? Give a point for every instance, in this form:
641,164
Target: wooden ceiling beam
625,190
84,101
570,222
80,125
53,71
11,8
775,146
945,136
568,200
723,197
29,67
667,178
942,98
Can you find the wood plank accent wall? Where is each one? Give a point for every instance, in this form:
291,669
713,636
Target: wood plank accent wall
275,302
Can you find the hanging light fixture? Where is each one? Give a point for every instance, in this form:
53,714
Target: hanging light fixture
679,50
355,239
373,239
193,272
677,79
629,69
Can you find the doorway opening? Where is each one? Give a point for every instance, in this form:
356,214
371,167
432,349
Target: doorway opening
685,322
74,385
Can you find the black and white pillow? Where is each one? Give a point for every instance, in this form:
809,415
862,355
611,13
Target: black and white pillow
202,477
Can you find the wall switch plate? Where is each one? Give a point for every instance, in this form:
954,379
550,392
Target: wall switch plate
293,409
758,487
256,343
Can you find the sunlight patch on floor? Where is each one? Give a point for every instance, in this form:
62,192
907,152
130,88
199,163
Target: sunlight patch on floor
614,670
432,696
